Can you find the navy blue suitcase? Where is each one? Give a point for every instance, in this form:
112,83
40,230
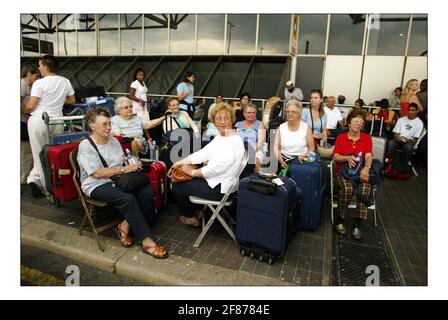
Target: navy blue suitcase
107,102
265,223
310,180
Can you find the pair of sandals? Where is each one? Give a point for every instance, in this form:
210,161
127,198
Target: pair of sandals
127,241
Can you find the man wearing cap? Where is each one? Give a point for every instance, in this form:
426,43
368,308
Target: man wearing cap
292,92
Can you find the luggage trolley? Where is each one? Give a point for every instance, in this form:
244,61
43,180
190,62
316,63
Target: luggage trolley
74,128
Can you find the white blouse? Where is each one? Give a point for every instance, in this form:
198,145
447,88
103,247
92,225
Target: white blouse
224,156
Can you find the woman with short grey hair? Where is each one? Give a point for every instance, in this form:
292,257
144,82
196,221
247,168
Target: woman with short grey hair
124,123
293,138
253,133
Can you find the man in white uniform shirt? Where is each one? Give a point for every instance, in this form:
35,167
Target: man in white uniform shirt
406,133
292,92
334,117
47,95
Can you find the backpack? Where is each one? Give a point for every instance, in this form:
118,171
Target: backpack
396,168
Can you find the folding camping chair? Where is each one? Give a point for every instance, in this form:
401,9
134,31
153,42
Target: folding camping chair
88,204
219,207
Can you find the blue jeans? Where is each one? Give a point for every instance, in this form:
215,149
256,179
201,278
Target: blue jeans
407,149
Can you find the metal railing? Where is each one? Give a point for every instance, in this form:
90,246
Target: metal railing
232,99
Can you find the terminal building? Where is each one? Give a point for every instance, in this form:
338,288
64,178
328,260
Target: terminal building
356,55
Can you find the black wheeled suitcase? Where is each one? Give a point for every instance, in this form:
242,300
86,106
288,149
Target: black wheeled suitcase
266,217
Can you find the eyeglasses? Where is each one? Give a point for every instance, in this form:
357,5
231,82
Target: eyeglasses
127,107
219,119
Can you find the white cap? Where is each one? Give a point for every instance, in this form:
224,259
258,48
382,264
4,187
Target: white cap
289,83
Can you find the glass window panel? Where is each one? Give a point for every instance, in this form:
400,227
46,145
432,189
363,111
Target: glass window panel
418,42
109,34
182,34
241,31
47,26
156,34
312,33
388,34
67,24
210,33
86,35
274,34
131,34
309,75
346,34
30,36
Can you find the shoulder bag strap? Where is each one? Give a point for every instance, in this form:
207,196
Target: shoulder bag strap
312,120
96,148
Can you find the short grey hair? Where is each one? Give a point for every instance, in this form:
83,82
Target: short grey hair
296,103
249,105
120,103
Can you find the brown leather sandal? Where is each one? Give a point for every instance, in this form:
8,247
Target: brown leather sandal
183,220
155,251
125,239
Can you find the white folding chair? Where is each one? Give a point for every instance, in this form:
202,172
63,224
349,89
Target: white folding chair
415,150
218,207
378,149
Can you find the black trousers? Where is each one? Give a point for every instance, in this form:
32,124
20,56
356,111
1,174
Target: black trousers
137,207
197,187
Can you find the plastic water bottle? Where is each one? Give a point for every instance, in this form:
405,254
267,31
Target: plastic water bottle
356,168
311,157
130,159
145,146
154,151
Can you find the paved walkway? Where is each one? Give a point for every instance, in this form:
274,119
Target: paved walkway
402,207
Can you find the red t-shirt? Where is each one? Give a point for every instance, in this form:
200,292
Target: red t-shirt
344,146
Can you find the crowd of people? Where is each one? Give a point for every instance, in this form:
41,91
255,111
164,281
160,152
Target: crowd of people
233,129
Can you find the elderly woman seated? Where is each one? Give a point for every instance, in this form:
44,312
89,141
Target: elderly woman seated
178,118
294,137
253,133
129,125
223,155
136,206
347,148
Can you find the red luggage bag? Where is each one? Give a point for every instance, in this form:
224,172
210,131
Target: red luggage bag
58,172
157,176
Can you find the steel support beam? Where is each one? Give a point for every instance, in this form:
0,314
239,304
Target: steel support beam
99,71
154,68
80,68
212,73
123,72
181,72
243,81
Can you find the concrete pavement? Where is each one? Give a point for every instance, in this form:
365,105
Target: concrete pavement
175,270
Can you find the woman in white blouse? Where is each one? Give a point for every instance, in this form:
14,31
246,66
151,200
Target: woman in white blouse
294,137
223,156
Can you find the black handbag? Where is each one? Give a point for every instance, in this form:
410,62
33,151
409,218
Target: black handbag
129,181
